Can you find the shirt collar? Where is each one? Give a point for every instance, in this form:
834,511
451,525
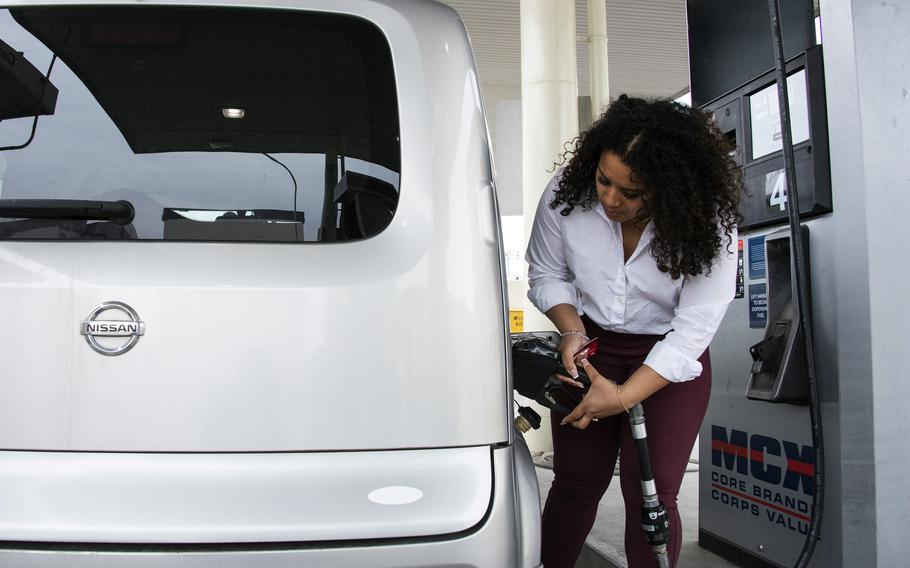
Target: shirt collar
646,235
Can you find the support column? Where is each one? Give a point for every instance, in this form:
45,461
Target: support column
549,103
597,57
549,116
867,89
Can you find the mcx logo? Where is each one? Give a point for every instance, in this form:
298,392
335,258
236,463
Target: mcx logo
112,336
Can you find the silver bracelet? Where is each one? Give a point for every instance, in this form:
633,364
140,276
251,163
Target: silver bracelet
574,332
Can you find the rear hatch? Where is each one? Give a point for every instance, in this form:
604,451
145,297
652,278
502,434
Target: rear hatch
204,252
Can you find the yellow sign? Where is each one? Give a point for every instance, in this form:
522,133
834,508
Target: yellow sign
516,321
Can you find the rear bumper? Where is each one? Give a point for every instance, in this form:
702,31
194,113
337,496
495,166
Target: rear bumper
149,499
506,535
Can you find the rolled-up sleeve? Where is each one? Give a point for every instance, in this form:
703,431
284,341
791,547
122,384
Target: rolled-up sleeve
703,301
549,277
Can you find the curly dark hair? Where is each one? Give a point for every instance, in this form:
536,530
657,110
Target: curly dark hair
682,161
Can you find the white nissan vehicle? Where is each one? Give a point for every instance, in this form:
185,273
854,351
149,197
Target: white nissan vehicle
252,293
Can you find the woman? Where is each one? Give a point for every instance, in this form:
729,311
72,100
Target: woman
634,244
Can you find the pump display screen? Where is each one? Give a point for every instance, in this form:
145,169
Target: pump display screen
764,113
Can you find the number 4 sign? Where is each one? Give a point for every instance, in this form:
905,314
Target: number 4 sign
776,189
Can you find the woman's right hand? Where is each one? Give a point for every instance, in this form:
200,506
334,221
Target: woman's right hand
569,344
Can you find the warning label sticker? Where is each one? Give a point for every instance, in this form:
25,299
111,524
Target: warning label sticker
757,257
758,305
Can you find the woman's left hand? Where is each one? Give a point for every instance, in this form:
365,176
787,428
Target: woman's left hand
602,400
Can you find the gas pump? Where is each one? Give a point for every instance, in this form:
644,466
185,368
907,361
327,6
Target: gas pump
759,490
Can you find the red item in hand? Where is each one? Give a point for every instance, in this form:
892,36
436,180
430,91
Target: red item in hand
587,350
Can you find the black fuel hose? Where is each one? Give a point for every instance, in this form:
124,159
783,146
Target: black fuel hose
802,296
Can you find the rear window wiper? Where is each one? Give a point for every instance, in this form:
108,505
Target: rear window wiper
119,212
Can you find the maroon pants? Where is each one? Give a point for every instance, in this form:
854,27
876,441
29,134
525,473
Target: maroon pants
583,460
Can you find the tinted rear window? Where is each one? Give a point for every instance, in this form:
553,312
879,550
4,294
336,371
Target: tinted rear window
211,124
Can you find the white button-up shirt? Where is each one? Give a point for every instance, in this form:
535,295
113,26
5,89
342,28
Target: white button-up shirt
578,260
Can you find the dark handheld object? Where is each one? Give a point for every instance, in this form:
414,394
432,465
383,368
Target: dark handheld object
654,520
535,364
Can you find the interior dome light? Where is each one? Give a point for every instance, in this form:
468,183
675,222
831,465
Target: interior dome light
233,112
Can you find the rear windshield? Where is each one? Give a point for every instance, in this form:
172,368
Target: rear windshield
195,124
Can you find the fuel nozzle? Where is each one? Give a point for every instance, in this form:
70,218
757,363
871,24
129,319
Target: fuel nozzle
527,418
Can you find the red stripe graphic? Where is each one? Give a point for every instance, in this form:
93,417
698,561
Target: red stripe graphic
802,468
729,448
762,502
